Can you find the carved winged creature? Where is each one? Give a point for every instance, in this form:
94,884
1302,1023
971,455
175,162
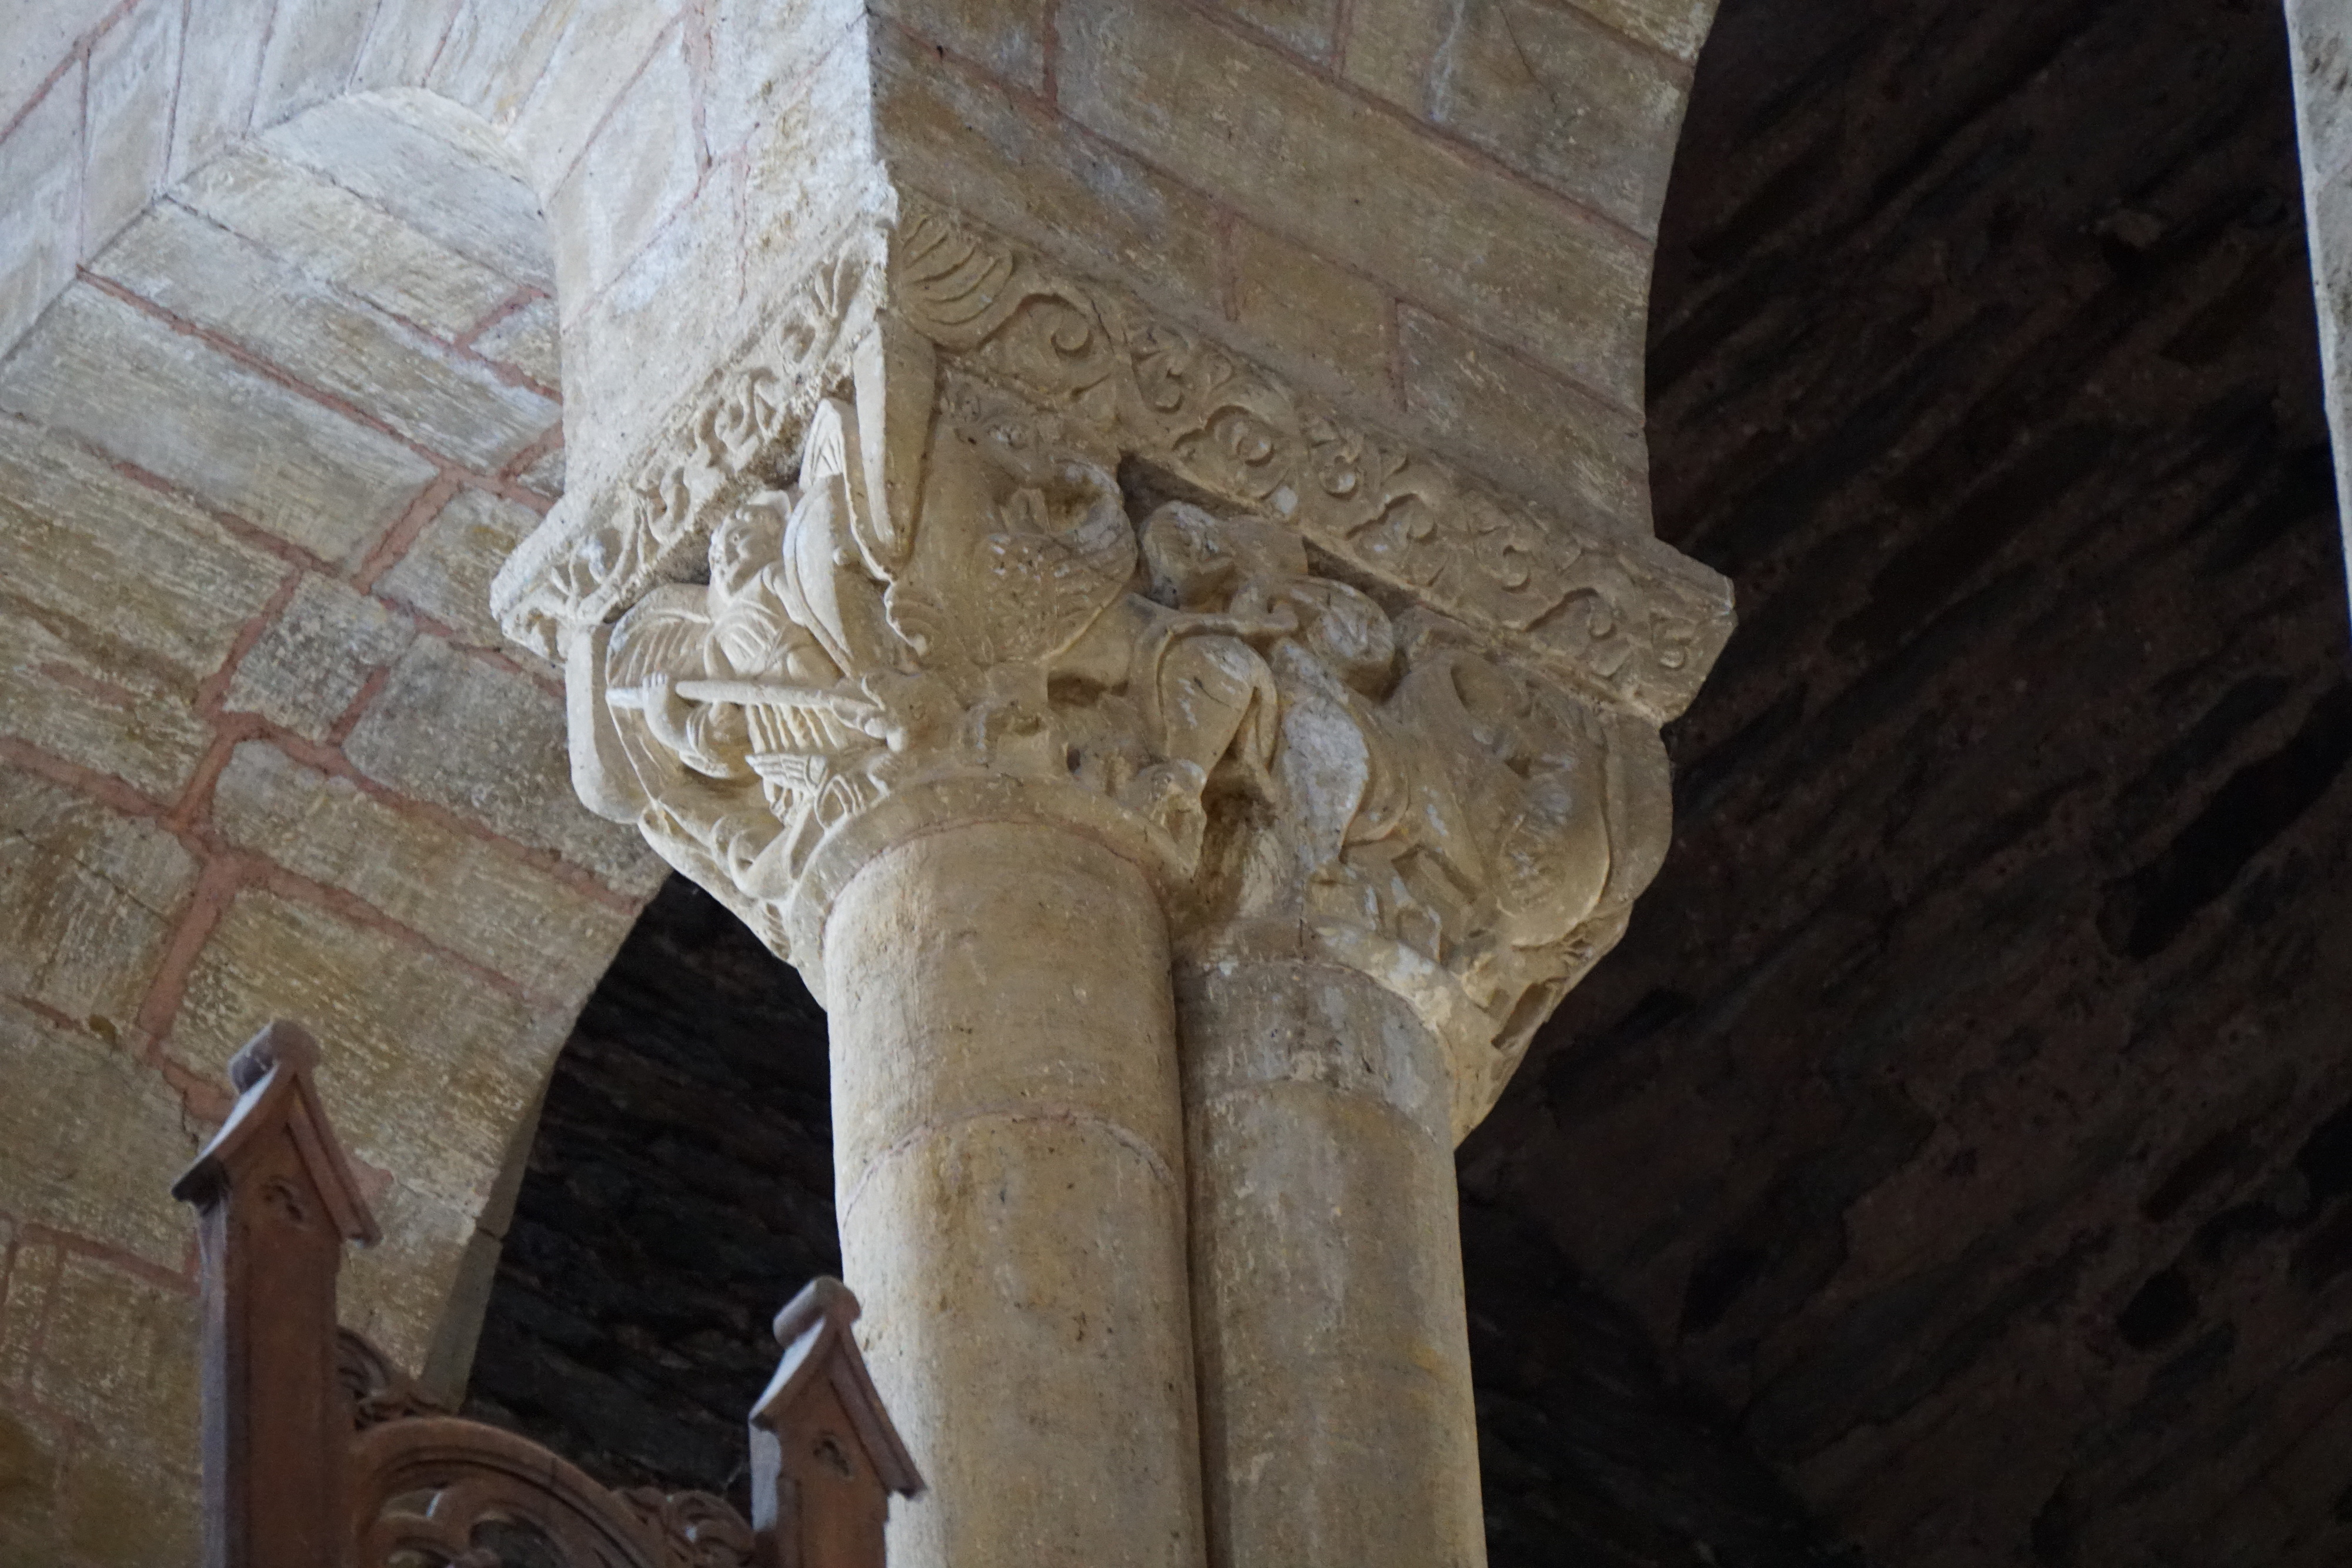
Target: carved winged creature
1017,554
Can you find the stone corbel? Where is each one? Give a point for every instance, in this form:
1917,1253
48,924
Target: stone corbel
962,533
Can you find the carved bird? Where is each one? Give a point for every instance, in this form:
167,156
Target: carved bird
1045,586
1018,557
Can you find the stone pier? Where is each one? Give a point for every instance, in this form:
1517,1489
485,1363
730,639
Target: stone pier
1188,754
1066,694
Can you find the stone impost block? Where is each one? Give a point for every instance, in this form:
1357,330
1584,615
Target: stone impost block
1547,88
1311,310
1509,418
594,57
641,165
765,56
1297,154
962,139
1006,38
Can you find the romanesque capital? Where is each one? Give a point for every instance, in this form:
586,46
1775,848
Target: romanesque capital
960,534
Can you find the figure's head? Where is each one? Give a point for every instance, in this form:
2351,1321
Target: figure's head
749,537
1197,559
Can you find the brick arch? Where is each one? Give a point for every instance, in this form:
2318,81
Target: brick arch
105,105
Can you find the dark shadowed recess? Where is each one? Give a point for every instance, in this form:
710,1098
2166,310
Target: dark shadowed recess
1968,1110
679,1191
1961,1139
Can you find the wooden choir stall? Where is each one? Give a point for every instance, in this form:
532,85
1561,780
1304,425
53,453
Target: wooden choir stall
319,1453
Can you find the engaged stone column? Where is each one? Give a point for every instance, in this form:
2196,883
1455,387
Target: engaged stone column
1335,1366
1003,654
1442,843
1008,1151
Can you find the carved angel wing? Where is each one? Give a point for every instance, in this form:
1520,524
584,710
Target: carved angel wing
668,633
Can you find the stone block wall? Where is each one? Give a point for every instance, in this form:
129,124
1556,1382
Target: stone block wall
261,756
1442,217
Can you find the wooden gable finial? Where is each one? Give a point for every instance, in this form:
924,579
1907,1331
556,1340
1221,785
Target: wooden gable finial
277,1203
825,1458
275,1076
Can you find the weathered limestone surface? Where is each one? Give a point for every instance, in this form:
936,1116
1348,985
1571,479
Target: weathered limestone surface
1009,1156
253,625
1326,1274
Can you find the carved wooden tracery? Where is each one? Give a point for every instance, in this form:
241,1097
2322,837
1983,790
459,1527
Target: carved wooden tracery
320,1454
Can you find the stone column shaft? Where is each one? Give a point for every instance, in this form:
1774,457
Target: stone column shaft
1338,1424
1009,1153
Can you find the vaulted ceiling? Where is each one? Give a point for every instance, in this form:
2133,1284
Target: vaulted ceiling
1955,1162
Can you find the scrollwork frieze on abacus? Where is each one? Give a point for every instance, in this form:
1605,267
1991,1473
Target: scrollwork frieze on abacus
600,550
1626,618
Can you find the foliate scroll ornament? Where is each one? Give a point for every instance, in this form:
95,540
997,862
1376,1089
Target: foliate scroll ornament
1595,604
605,547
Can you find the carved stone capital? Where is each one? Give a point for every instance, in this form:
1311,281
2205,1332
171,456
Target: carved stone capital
962,537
